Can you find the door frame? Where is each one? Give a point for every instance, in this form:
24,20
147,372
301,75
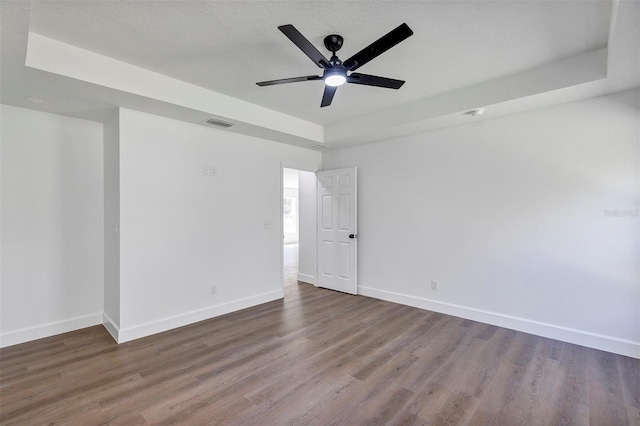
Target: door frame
280,226
281,223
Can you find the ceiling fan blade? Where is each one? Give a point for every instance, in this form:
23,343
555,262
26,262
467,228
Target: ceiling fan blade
327,96
305,45
378,47
373,80
289,80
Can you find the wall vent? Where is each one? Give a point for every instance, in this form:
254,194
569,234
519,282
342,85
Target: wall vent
219,123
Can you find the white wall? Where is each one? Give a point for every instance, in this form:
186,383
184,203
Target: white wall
512,216
52,220
307,227
292,237
182,231
290,178
111,165
290,190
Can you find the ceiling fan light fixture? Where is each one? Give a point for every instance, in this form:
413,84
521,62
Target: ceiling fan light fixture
334,79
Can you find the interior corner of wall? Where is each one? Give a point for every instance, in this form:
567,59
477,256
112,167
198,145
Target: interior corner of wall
111,327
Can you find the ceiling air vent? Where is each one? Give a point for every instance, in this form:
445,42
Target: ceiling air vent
219,123
319,147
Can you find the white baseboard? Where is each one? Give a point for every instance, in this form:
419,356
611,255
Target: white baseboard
47,330
111,326
579,337
169,323
310,279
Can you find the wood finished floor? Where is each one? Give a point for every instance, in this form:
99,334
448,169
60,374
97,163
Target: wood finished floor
318,357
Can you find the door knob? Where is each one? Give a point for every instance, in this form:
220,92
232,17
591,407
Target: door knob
352,236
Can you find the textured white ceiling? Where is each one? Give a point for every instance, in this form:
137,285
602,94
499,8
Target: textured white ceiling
226,46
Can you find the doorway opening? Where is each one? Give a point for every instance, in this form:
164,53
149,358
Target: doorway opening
290,225
298,228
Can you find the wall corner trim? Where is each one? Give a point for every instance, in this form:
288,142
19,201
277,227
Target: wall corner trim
579,337
50,329
111,326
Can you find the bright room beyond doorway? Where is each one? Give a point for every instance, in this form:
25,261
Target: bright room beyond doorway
290,225
298,227
290,264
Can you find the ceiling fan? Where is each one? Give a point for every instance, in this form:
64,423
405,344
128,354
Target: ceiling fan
336,72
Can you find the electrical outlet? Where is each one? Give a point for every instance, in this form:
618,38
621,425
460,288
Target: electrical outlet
435,284
209,170
214,289
267,224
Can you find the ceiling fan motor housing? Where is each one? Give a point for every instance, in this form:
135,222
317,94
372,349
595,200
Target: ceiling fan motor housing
333,42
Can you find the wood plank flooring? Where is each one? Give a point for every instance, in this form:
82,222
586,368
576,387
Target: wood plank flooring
318,358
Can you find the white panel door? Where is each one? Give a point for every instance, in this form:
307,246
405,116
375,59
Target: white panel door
337,230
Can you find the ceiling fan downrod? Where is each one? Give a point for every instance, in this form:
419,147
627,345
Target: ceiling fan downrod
333,43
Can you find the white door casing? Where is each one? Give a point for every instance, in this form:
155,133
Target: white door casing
337,230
